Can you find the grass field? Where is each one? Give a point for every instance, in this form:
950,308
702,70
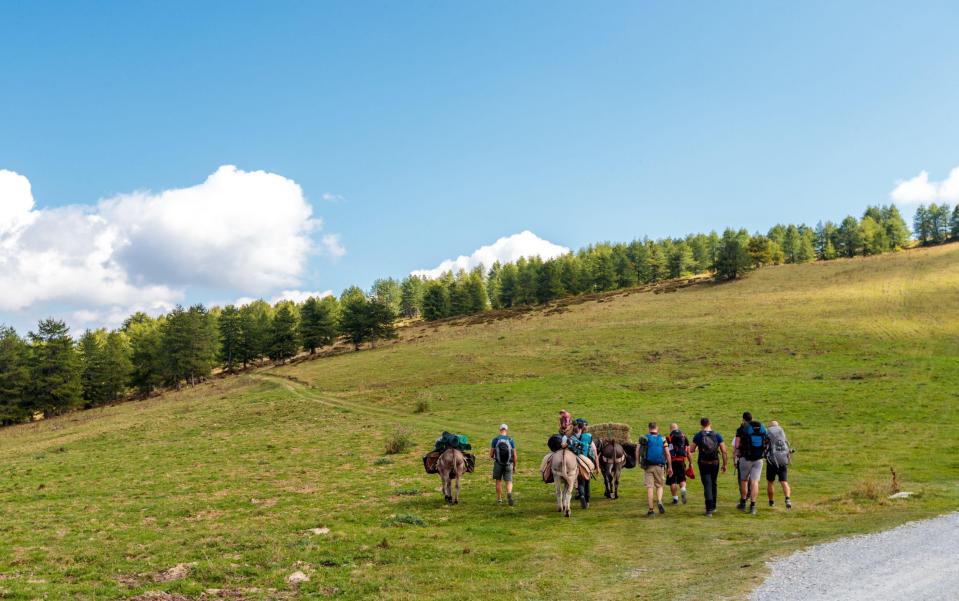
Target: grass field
857,359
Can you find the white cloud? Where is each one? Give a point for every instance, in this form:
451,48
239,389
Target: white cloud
920,190
332,246
297,296
504,250
238,230
330,197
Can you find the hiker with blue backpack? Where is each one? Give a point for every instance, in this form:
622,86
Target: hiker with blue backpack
581,443
652,454
503,453
749,449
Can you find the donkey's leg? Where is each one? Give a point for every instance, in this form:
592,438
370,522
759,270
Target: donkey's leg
456,498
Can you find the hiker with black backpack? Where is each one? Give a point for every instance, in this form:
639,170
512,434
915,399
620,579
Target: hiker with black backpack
778,455
503,453
652,454
749,449
679,452
710,446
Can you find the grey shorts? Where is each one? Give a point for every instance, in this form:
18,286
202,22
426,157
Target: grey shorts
750,470
502,472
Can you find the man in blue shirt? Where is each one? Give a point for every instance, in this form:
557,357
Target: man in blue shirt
710,446
502,451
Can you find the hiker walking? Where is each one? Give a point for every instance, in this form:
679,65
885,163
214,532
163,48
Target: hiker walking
679,452
652,454
583,445
502,451
749,448
778,455
710,446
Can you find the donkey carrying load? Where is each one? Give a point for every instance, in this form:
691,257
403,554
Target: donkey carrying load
615,453
450,460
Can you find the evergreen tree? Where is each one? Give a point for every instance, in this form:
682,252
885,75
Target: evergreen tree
318,323
188,340
625,269
460,301
436,301
230,325
791,242
849,237
527,276
55,384
283,333
411,296
255,326
388,292
14,377
922,225
146,352
603,269
807,250
118,364
764,251
954,224
939,217
550,285
476,291
872,235
682,263
733,260
897,232
93,374
363,320
509,285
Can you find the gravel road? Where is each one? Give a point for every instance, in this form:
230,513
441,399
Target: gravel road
917,561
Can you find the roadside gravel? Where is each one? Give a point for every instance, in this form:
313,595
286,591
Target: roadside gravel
917,561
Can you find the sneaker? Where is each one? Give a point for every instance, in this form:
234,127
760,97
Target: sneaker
709,514
752,509
510,500
789,504
661,508
741,506
650,513
675,501
771,503
683,494
499,501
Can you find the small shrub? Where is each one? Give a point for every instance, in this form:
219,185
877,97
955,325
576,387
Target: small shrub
422,406
871,489
406,492
382,461
400,441
408,519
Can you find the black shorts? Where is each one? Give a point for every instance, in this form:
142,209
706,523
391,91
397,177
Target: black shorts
773,472
679,474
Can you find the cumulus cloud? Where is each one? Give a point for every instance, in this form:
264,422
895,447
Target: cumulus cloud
237,230
332,246
297,296
504,250
920,189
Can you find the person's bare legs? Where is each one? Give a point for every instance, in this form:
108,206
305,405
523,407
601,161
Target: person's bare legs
753,490
509,487
499,490
786,489
771,490
650,494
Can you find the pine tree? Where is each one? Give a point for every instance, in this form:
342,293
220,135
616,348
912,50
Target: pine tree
55,384
872,235
436,301
509,285
411,296
550,285
954,223
681,261
93,369
146,352
733,260
388,292
897,232
318,323
283,333
118,364
603,268
807,250
922,225
476,291
230,325
623,266
14,377
849,236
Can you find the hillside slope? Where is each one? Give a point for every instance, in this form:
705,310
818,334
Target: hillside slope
856,358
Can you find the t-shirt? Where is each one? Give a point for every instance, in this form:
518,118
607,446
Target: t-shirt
698,441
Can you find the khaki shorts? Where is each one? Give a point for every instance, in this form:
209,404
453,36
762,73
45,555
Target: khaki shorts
750,470
655,476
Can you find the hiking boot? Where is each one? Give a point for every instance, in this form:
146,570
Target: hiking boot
741,506
675,502
650,513
752,509
510,500
682,493
772,503
709,513
789,504
499,501
661,508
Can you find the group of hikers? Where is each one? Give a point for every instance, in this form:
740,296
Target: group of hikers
666,460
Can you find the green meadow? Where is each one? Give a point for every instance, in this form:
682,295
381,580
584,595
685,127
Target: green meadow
241,482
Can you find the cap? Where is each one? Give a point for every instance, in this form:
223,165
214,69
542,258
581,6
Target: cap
503,427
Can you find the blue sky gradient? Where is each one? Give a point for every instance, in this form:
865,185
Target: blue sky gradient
444,126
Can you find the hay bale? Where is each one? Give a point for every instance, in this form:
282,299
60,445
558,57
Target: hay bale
610,431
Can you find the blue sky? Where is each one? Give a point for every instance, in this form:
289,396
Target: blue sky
441,127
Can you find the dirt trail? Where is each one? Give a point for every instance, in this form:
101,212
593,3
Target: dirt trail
914,561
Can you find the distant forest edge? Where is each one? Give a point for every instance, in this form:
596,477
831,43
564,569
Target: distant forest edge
48,372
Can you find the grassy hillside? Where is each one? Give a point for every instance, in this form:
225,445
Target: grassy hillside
857,359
